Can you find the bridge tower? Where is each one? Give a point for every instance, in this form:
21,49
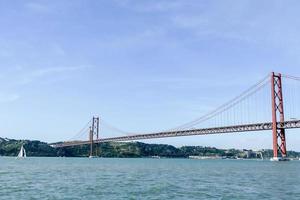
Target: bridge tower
94,132
279,142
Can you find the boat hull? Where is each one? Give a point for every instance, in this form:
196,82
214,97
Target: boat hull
276,159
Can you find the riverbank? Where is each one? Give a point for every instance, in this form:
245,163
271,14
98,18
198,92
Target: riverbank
11,147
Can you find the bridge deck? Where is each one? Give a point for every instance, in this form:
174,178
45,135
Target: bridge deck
204,131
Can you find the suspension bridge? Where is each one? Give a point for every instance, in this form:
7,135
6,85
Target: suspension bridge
262,107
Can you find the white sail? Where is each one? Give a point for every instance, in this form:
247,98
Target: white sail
22,153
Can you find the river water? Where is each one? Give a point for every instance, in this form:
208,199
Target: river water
103,178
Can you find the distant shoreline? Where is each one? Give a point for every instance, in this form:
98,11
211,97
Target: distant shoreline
11,147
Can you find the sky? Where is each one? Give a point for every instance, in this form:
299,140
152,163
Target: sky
141,65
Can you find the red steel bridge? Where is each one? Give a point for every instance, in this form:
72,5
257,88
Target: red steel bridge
260,108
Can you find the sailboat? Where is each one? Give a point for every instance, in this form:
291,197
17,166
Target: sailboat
22,153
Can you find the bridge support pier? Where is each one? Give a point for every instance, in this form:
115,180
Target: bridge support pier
94,131
91,142
279,142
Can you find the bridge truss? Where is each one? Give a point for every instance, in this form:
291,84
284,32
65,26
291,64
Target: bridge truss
224,119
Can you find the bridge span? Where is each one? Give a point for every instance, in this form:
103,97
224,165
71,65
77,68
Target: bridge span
191,132
234,109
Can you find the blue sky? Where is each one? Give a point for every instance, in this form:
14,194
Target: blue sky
141,65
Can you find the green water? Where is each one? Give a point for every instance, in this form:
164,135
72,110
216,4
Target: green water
83,178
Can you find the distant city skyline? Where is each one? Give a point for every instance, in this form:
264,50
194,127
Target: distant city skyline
142,66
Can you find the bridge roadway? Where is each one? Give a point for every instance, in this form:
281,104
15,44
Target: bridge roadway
190,132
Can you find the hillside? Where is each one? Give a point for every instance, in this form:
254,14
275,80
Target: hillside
10,147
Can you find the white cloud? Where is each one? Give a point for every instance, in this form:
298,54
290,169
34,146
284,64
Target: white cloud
51,70
264,29
58,50
39,73
144,38
37,7
153,6
5,98
23,76
196,82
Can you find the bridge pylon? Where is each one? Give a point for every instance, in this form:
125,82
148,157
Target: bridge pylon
279,141
94,132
